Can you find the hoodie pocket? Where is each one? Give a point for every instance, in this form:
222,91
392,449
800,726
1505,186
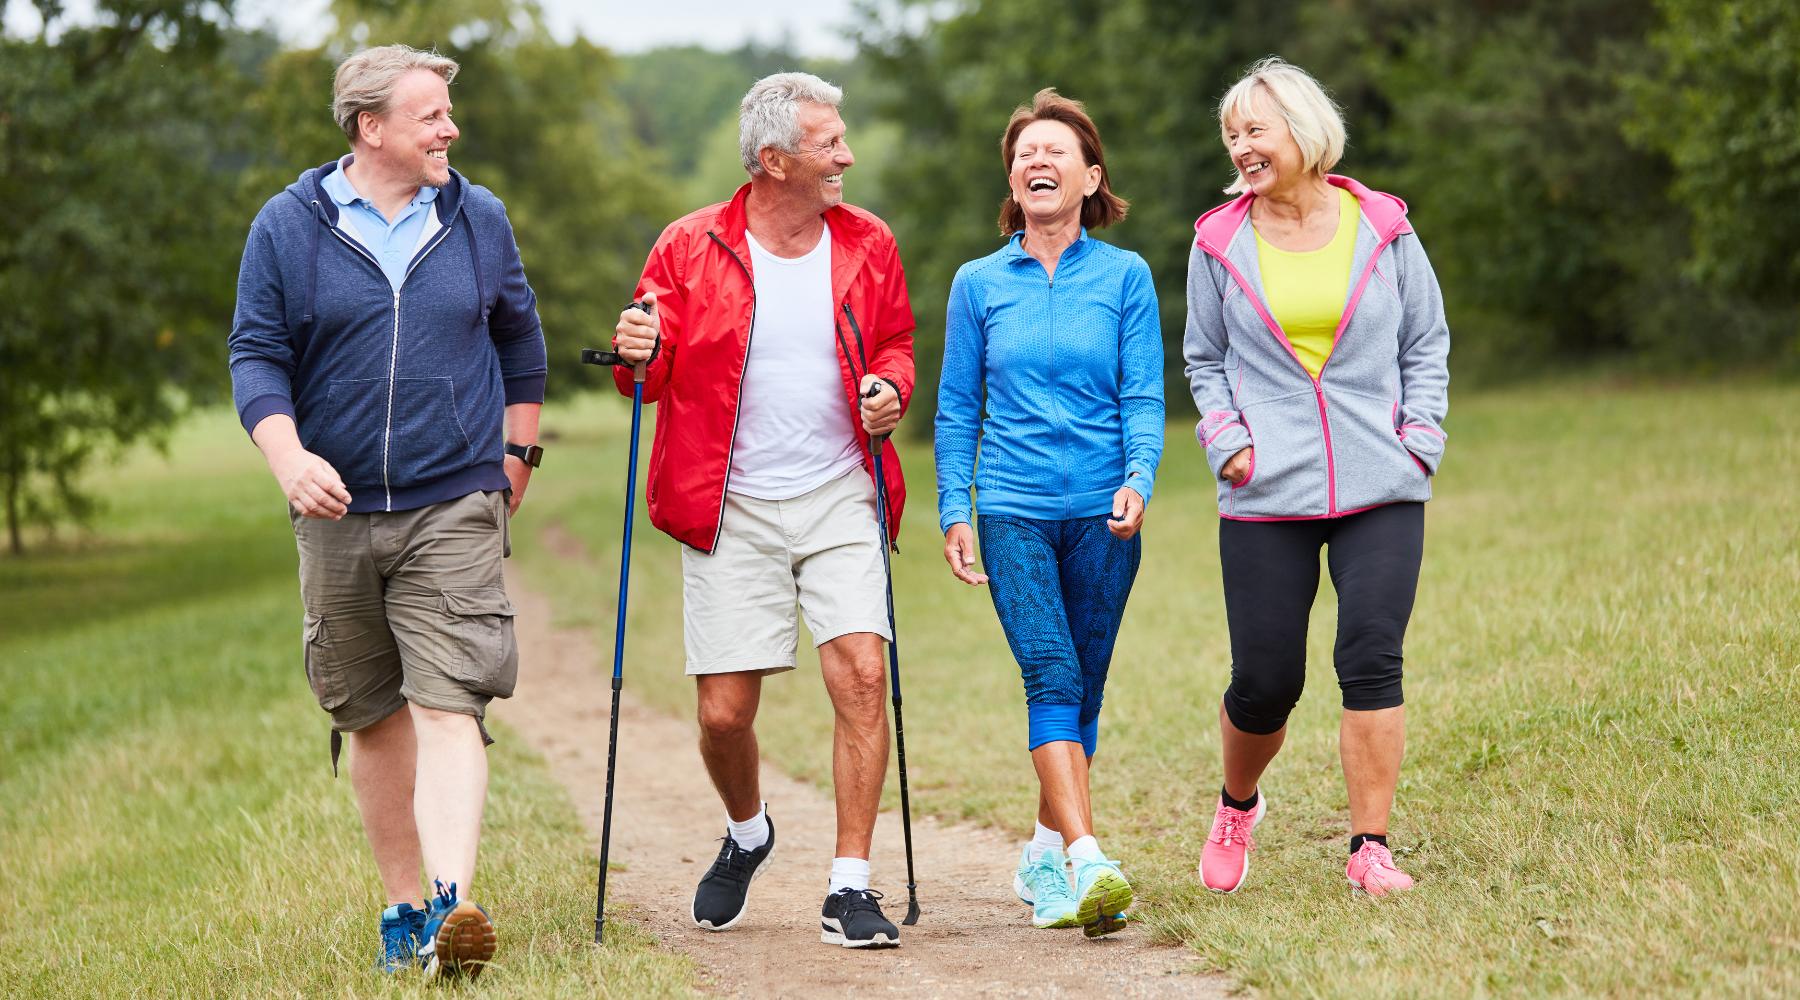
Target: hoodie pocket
428,440
1288,473
1373,464
348,432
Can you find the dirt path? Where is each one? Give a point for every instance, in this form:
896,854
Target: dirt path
973,938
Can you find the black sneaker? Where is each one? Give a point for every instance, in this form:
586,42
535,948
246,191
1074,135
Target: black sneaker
724,889
852,918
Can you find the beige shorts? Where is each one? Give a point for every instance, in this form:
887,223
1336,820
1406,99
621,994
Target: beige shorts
407,606
819,550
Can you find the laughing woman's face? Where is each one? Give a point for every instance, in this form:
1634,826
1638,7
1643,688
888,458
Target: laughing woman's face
1263,149
1049,176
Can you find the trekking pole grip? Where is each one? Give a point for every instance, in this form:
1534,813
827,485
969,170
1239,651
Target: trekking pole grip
590,356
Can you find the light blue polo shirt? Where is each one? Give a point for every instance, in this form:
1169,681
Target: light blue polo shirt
393,244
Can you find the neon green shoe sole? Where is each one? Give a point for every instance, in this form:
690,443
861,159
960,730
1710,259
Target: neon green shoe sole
1103,903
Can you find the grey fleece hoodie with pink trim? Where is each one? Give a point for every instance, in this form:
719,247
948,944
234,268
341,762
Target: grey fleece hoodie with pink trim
1369,430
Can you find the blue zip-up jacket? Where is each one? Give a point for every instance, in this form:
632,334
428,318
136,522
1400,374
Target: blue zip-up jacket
1072,374
403,392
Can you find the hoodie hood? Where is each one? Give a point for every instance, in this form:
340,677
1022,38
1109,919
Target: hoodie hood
1386,214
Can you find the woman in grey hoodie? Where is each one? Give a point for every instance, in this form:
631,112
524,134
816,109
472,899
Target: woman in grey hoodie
1316,350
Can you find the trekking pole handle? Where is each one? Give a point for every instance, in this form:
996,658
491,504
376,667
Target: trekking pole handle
590,356
875,440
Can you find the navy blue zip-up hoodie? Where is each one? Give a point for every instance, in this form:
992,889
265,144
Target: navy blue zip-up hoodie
404,393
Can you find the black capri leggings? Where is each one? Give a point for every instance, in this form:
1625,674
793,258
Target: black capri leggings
1271,571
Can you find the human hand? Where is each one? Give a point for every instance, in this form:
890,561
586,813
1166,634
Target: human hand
880,408
312,486
959,552
1127,513
635,336
518,473
1237,467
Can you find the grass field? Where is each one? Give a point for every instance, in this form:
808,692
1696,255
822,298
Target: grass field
171,827
1603,687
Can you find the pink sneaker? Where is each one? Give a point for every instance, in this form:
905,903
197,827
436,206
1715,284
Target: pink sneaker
1372,870
1225,861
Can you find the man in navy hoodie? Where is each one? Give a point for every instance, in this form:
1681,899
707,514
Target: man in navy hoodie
387,358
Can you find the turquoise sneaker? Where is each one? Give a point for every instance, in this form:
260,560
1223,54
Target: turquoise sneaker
1053,903
1104,894
1022,877
459,937
402,932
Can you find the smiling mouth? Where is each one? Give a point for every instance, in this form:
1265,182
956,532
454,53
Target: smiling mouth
834,179
1256,168
438,154
1041,184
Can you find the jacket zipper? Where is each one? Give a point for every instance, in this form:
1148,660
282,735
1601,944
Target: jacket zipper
1331,507
387,436
737,405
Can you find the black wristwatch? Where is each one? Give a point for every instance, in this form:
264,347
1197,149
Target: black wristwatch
530,454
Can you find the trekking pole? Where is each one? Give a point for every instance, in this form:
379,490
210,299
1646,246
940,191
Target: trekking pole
881,517
593,357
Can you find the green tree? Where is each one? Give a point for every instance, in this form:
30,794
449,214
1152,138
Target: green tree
118,139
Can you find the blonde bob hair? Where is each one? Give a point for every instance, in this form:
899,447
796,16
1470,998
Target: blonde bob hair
365,82
1312,117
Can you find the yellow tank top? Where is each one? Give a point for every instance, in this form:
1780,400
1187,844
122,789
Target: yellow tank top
1306,291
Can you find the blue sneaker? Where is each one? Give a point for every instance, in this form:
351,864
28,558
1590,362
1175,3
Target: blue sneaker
1053,901
1104,895
459,938
402,932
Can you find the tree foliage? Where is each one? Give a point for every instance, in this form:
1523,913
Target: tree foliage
117,144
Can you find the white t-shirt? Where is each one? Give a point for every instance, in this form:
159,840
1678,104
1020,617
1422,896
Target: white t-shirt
794,429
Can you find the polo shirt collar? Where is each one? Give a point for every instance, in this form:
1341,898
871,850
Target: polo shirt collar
338,187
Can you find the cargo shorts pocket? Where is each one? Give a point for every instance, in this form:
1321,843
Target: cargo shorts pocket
324,667
483,654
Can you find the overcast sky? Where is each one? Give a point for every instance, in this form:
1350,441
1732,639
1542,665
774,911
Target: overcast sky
812,25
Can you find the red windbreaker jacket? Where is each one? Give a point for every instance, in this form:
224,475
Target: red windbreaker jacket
700,273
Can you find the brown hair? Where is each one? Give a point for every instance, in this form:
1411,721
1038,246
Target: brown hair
1098,210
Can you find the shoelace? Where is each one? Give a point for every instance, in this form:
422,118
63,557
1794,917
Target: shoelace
733,861
1378,861
445,898
860,899
1047,867
1236,825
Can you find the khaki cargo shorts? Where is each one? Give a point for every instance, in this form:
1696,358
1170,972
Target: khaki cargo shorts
407,606
819,549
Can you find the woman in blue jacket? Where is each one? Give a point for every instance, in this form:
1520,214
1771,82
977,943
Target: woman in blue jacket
1056,335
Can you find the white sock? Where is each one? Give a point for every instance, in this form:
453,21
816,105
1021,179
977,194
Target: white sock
849,873
1086,849
1046,839
753,832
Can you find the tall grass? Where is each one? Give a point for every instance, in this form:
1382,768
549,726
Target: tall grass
171,827
1603,688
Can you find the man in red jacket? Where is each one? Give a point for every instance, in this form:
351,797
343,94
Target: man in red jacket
778,341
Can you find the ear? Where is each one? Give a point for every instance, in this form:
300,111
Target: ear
774,162
368,126
1094,174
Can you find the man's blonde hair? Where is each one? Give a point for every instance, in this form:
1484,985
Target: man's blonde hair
1311,115
365,81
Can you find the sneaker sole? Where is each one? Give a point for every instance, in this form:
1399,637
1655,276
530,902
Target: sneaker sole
830,936
1072,920
755,873
1262,806
1110,894
465,943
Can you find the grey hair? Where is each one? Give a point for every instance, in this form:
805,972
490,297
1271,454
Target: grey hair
770,113
365,81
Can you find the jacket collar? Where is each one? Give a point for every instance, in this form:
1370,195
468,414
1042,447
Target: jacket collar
851,235
1015,248
309,188
1386,214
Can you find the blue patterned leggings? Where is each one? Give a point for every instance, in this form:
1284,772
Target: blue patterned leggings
1059,588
